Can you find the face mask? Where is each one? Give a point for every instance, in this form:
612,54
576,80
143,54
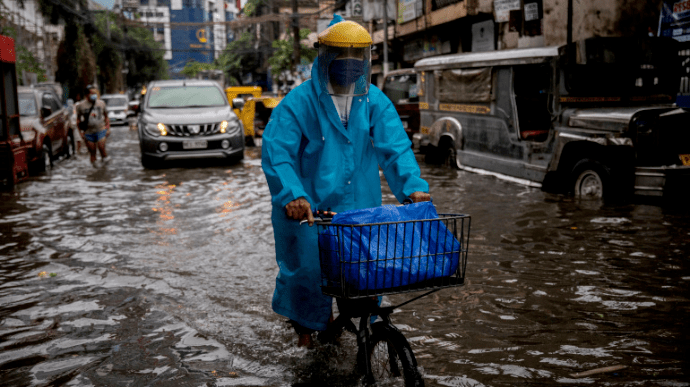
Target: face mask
346,71
93,97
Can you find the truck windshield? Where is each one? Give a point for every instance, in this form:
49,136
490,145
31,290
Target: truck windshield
401,88
621,67
27,105
185,96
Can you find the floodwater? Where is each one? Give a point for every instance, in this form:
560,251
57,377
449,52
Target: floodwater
118,276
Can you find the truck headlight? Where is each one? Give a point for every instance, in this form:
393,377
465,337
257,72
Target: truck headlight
156,129
229,127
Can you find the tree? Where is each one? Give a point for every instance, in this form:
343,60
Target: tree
191,69
281,60
238,56
26,61
145,57
76,61
251,7
133,48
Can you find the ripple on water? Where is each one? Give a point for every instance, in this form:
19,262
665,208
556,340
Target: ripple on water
191,249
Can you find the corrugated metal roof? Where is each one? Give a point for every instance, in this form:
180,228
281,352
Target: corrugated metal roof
476,59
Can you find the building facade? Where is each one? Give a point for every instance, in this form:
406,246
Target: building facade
34,33
189,30
424,28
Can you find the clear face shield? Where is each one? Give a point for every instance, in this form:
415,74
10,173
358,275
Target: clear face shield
345,70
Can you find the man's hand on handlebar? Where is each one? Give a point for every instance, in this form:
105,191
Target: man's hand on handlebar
420,196
300,209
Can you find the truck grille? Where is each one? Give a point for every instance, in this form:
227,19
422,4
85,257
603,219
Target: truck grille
193,130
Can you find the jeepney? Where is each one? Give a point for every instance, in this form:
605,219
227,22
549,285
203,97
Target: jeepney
13,150
400,86
253,109
596,117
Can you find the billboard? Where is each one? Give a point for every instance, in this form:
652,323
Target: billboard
190,43
675,20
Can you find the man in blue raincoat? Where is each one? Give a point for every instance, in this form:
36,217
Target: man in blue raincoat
322,149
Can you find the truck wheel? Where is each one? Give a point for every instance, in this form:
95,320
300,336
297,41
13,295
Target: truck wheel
69,147
44,161
591,180
149,162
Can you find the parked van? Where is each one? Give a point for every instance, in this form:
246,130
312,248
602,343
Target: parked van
595,117
400,87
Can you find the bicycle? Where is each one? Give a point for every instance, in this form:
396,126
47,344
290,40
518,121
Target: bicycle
356,269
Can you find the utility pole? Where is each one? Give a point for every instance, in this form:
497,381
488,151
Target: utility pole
107,24
570,21
385,38
295,32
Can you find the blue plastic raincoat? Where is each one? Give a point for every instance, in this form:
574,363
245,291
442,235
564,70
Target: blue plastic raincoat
307,152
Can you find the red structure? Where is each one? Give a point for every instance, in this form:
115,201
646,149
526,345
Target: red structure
13,151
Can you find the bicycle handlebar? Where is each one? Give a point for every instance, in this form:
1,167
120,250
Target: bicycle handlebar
321,215
328,214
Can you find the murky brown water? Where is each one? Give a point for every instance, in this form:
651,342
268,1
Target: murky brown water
165,278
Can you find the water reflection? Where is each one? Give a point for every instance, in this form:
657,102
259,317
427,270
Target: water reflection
166,277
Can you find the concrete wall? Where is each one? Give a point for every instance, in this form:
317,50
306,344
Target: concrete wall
590,18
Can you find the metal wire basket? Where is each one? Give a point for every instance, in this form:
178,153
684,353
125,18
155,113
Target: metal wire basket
374,259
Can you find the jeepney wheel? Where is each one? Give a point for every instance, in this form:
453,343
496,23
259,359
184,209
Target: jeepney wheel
452,158
449,153
590,180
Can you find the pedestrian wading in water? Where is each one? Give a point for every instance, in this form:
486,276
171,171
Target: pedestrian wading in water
322,149
93,123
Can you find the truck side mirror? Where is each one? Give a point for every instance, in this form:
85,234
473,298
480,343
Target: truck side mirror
238,103
46,111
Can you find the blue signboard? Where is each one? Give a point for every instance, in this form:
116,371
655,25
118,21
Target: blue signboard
675,20
190,43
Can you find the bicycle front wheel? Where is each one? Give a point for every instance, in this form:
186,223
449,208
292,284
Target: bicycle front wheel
391,357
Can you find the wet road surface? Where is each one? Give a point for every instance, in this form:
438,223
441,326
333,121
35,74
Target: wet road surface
119,276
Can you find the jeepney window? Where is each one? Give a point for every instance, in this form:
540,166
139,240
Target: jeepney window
621,67
463,85
531,85
401,88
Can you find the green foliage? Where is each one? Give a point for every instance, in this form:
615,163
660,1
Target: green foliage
239,56
131,46
26,61
76,61
281,60
191,69
145,57
252,7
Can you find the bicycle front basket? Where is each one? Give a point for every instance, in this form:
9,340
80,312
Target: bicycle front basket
373,259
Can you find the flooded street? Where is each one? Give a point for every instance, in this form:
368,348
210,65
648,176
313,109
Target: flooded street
120,276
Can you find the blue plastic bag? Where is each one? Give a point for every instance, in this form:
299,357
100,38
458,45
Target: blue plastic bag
375,257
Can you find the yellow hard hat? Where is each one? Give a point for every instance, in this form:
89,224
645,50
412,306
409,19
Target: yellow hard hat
345,34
